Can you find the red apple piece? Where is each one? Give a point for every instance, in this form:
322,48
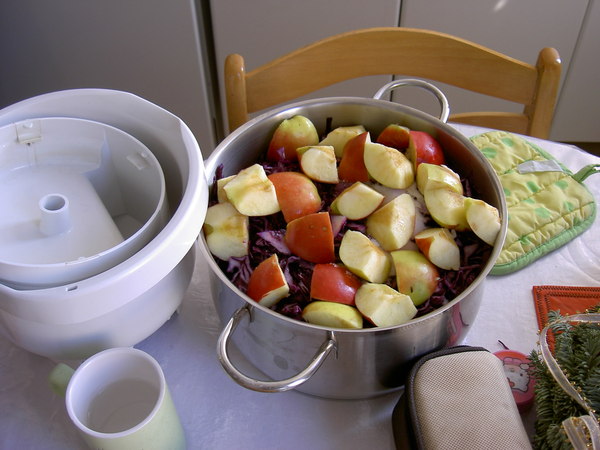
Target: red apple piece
352,164
296,193
393,224
338,137
267,284
415,275
394,135
333,283
424,148
311,237
297,131
226,231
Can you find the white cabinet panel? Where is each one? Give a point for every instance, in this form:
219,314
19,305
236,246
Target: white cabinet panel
517,28
578,111
261,30
147,47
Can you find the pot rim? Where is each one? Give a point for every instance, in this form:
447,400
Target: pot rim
289,110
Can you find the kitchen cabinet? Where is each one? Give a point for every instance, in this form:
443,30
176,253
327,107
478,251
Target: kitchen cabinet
151,48
262,30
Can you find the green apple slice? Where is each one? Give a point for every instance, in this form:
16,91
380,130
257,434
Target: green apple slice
483,218
357,201
364,258
393,224
383,306
252,193
226,231
332,315
338,137
388,166
415,275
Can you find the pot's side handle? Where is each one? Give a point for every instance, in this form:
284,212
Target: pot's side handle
418,83
268,386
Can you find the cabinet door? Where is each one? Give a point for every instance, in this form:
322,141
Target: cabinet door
261,30
519,29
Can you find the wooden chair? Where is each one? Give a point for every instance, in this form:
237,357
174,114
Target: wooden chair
405,52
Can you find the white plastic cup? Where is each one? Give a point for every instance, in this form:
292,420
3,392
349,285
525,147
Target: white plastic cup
119,399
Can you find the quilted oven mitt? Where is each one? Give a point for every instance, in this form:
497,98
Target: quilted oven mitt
547,204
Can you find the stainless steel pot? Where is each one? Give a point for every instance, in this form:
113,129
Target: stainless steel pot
335,363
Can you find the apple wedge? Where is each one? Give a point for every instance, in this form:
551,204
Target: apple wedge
357,201
393,224
252,193
267,284
226,231
394,135
311,237
333,283
319,163
297,131
415,275
364,258
221,182
383,306
434,176
338,137
483,219
447,208
352,164
388,166
439,247
296,193
332,315
424,148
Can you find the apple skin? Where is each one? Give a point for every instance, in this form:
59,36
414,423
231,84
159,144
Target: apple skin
297,131
424,148
435,176
252,193
393,224
383,306
483,219
388,166
267,284
226,231
296,193
364,258
447,208
352,164
338,137
394,135
319,163
332,315
415,275
311,237
357,201
439,247
333,283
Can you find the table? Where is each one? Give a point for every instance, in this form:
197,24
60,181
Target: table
218,414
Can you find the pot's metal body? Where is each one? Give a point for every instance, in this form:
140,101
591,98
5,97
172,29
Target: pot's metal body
346,364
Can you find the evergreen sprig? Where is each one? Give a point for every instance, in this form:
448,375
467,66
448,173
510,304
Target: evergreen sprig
577,352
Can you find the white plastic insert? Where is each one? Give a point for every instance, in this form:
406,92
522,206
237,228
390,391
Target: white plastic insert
78,197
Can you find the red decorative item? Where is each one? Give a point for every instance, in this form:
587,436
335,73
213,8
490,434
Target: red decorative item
518,369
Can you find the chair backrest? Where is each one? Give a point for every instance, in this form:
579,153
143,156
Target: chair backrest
402,51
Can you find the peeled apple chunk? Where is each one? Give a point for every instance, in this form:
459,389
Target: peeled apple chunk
267,284
357,201
332,315
252,193
319,163
447,208
226,231
484,219
384,306
393,224
364,257
439,247
388,166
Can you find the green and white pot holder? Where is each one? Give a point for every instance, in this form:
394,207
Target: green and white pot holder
547,204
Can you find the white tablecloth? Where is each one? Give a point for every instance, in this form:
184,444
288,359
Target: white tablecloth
218,414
